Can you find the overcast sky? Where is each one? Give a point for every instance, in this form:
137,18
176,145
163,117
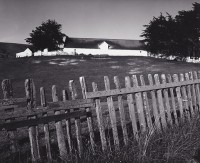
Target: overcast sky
114,19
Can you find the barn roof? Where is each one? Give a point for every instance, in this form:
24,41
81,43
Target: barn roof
93,43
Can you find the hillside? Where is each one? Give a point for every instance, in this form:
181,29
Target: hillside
10,49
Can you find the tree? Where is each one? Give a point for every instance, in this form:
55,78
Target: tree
179,36
47,35
159,35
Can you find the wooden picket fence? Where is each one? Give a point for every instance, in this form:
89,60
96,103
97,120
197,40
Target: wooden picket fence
166,100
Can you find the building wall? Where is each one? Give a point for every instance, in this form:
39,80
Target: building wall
111,52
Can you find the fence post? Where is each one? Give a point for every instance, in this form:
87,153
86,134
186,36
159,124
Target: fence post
154,104
139,105
68,122
8,93
131,108
146,104
160,102
59,128
33,130
112,114
74,95
121,111
197,90
189,95
179,97
194,97
46,126
166,97
185,98
89,116
172,99
100,119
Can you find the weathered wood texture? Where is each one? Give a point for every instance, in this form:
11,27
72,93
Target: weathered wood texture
59,128
160,103
8,94
33,131
46,126
74,95
89,113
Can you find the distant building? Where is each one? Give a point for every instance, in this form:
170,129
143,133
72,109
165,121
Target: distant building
26,53
112,47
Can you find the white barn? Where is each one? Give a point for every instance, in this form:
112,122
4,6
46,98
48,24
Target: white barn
111,47
26,53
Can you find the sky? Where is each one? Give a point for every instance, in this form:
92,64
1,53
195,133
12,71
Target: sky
113,19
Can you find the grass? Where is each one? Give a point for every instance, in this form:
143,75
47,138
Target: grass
178,144
58,70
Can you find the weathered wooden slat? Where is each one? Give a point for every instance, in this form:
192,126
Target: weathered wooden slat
189,94
139,89
166,101
112,114
193,93
160,102
146,104
59,129
46,126
100,119
179,97
8,93
139,105
89,117
172,100
68,122
154,104
33,131
131,108
41,120
197,90
121,112
72,89
185,98
12,101
23,112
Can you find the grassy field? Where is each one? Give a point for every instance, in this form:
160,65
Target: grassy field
179,143
58,70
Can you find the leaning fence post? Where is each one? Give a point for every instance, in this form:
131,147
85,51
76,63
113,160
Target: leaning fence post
89,116
59,129
139,105
100,118
33,131
197,89
122,113
154,104
131,108
160,102
112,113
169,77
68,122
74,95
166,101
8,93
46,126
179,97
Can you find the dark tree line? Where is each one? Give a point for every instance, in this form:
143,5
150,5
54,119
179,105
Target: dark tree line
178,36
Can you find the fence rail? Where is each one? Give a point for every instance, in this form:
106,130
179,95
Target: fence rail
165,100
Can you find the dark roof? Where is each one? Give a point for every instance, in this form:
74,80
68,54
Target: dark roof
93,43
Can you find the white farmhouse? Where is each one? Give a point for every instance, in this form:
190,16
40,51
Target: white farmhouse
26,53
111,47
